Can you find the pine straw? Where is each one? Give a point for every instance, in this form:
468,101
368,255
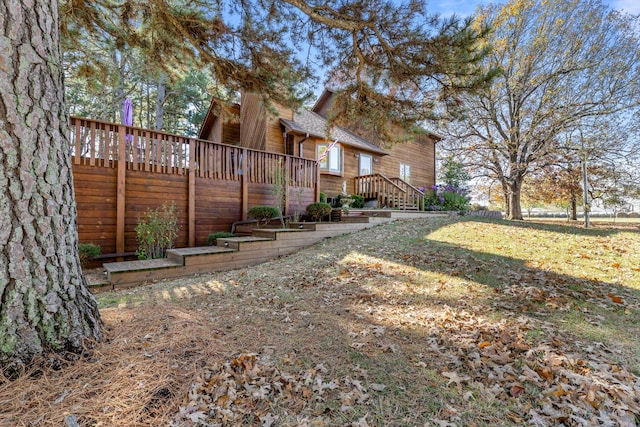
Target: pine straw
137,377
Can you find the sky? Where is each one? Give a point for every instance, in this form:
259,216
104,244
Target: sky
467,7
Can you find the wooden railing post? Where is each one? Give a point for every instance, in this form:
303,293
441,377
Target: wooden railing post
120,189
287,183
244,185
317,188
191,214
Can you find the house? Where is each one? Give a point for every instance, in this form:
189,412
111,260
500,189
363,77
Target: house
121,172
390,177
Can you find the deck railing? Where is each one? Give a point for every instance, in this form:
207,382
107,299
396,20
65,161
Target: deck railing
390,192
102,144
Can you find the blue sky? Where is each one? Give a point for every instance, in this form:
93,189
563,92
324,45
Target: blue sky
467,7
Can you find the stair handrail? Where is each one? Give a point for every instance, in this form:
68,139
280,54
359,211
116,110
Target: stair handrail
389,181
407,184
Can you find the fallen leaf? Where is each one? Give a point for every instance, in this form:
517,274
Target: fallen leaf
516,390
484,344
615,298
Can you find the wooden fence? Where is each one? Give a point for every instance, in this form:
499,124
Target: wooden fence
121,171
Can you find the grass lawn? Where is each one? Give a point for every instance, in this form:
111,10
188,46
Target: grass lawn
444,322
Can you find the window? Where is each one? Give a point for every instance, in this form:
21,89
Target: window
288,144
332,161
405,172
366,164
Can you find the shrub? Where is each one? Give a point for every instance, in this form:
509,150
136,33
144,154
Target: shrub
318,210
211,239
157,232
634,215
263,213
323,197
87,252
446,198
358,201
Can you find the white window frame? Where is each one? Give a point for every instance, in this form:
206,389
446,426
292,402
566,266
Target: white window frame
365,156
334,161
405,172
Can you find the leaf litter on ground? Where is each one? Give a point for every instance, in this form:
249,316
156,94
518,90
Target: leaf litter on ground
423,322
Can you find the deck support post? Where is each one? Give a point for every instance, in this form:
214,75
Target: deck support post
120,189
244,185
287,183
317,185
191,214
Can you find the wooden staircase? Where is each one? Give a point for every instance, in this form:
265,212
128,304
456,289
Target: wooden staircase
237,252
392,193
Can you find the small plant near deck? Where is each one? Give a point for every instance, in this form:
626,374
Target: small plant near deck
211,239
279,190
318,210
157,232
263,213
87,252
323,197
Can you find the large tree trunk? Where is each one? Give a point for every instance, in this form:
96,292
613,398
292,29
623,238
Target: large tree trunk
514,208
45,304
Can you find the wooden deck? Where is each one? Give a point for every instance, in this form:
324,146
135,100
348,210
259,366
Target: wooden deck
237,252
122,171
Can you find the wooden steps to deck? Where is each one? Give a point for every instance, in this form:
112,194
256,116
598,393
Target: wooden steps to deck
236,252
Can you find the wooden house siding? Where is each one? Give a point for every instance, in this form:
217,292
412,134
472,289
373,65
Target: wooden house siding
253,120
230,133
419,155
275,131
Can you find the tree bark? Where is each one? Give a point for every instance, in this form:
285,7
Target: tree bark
514,207
45,304
574,207
160,98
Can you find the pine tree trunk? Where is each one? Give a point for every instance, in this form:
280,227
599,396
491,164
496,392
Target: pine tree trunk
160,98
45,304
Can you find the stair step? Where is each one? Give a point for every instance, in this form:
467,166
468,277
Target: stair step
141,265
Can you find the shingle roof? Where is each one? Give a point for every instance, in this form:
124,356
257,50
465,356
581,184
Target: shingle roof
314,124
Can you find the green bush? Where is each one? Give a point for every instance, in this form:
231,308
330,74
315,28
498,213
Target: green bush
211,239
323,197
318,210
157,232
87,252
358,201
263,213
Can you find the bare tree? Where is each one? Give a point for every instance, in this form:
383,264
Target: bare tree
564,63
